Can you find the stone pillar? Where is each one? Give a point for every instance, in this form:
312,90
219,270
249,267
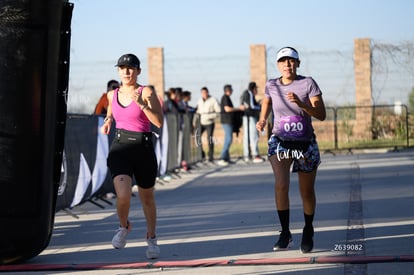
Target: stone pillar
258,72
156,70
363,87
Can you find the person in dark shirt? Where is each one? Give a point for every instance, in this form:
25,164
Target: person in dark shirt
102,105
227,111
250,118
171,105
186,98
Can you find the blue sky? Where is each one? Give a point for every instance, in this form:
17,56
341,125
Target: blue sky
191,30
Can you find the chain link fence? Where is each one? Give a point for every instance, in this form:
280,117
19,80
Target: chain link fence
363,127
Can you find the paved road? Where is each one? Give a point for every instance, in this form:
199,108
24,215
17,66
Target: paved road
218,220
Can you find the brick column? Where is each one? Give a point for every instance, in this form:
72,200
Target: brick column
258,68
363,87
258,74
156,70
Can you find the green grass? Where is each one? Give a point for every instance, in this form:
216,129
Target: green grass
236,149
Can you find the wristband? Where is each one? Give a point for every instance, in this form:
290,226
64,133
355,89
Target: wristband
107,118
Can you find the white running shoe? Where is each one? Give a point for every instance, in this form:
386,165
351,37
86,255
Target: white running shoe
258,160
119,240
153,251
222,162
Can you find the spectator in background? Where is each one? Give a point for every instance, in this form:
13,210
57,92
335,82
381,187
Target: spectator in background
102,105
185,99
171,105
226,118
187,127
160,139
250,117
208,108
178,98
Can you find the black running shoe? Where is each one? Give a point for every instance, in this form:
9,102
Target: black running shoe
306,245
284,242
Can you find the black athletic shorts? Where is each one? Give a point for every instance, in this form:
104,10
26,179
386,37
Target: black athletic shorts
136,160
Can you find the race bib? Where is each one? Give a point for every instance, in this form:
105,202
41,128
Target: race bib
292,126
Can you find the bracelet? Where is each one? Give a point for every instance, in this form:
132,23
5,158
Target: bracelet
143,107
107,118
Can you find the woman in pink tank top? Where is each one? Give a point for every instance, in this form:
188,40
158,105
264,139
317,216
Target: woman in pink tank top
133,108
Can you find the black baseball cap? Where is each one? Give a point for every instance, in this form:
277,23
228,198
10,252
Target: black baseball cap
129,59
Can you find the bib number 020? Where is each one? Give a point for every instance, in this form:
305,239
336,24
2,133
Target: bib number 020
292,126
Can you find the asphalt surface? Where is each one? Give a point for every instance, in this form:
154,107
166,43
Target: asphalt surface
222,220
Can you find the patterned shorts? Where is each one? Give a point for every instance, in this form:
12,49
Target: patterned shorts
304,161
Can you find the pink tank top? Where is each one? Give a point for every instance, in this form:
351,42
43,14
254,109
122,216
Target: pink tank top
130,117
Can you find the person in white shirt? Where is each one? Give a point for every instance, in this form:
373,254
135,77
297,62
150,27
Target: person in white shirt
207,108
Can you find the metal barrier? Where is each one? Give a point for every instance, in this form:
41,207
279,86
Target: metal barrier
84,173
182,142
363,127
345,128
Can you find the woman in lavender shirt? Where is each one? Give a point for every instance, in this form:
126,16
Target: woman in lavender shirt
294,100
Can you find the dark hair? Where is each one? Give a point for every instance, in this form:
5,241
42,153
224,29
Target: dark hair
186,93
152,87
227,87
252,85
111,85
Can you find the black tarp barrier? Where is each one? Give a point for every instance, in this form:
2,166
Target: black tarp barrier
34,67
85,176
84,170
173,126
